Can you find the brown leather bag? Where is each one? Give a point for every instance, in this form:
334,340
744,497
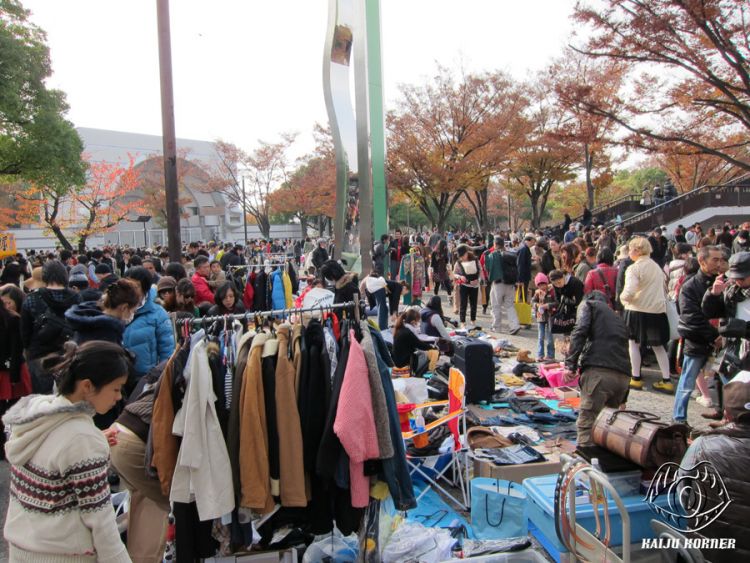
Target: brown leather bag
640,437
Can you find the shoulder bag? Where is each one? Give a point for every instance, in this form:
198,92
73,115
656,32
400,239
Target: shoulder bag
563,318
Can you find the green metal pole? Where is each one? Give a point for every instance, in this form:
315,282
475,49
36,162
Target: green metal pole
377,119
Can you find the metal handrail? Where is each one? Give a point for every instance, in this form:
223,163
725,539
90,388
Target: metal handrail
737,182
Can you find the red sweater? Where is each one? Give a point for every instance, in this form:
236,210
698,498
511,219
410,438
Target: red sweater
594,281
202,290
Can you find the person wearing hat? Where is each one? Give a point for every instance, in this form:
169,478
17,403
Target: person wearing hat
165,292
320,254
741,242
725,450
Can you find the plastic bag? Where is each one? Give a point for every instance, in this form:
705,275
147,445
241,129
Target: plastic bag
414,542
333,547
415,389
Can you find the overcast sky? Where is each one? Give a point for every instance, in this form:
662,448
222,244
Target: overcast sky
247,69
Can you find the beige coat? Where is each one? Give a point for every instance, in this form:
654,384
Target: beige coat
644,288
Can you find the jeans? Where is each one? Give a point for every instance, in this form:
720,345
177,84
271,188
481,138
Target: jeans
545,332
468,294
382,304
691,367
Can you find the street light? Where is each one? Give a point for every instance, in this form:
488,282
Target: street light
144,219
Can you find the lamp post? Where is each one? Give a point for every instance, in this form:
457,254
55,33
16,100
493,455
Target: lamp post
144,219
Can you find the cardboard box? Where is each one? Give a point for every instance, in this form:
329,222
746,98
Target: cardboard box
517,473
566,392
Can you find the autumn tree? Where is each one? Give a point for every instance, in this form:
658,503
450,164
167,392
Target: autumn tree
544,159
266,168
107,199
690,170
448,138
45,205
152,186
688,72
579,82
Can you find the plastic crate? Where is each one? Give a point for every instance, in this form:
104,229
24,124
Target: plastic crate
540,510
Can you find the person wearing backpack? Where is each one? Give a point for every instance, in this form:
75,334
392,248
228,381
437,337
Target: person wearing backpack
44,328
604,277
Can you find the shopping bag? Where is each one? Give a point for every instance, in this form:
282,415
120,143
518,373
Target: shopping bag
498,509
674,318
522,306
564,317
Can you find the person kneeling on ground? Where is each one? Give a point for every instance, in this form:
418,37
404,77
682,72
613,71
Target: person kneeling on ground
599,348
407,344
433,324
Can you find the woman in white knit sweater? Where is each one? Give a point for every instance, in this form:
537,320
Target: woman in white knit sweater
60,509
644,298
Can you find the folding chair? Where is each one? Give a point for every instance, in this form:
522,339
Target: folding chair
455,420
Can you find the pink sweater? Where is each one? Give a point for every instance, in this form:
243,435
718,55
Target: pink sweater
355,422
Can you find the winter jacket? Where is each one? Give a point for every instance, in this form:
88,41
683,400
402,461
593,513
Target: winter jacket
727,450
346,289
432,324
550,262
694,325
493,264
599,338
11,350
203,470
675,270
60,507
524,264
378,258
405,343
595,281
355,422
149,336
203,291
644,289
220,310
90,323
278,299
510,267
572,290
36,342
319,257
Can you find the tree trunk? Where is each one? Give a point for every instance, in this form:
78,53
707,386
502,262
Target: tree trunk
589,166
303,226
61,237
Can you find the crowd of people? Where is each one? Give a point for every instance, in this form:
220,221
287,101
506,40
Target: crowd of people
600,297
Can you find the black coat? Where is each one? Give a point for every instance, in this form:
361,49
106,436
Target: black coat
599,338
11,350
35,306
524,264
694,325
405,343
319,257
90,323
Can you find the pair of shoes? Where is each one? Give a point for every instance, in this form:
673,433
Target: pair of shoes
515,331
636,383
712,415
704,401
664,386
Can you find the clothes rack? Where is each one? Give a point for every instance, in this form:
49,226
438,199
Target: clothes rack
275,313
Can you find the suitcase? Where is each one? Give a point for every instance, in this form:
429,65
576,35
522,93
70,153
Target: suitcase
474,358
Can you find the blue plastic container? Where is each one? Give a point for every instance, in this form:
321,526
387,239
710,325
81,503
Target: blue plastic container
540,509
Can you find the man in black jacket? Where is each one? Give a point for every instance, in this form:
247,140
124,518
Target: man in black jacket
700,337
524,262
599,348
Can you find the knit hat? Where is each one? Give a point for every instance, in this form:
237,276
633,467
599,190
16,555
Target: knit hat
78,269
78,279
737,399
166,283
103,269
540,278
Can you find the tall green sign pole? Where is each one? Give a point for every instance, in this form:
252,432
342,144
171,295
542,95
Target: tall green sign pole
377,119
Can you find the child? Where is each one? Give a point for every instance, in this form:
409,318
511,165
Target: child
541,303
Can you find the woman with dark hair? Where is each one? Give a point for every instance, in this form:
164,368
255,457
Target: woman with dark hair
226,301
149,336
13,297
433,323
440,264
107,319
346,285
406,341
15,381
54,446
468,273
11,273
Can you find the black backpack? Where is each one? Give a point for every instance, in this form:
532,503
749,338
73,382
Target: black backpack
510,268
51,328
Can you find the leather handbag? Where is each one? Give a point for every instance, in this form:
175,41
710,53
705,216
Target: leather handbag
640,437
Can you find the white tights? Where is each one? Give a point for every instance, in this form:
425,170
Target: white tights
635,359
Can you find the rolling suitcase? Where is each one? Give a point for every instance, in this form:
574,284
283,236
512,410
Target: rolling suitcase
474,358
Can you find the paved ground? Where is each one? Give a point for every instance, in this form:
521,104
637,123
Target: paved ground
647,400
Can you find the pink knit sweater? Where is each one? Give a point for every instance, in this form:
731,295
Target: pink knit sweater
355,423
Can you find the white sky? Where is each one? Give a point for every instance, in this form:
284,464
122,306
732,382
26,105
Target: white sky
247,69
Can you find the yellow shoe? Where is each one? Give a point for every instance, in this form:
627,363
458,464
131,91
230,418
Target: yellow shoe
664,387
636,383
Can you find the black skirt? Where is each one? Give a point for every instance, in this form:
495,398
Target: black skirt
651,329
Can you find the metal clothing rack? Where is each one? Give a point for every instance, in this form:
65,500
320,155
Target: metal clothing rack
249,315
